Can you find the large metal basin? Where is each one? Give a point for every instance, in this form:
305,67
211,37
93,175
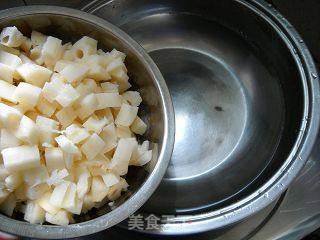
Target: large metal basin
246,99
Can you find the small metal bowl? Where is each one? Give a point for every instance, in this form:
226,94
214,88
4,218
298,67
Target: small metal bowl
157,111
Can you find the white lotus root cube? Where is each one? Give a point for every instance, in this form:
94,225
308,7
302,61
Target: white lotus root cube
26,109
108,87
45,107
84,47
9,116
69,55
93,146
133,98
37,38
109,137
76,134
121,76
70,196
71,202
67,96
67,146
86,87
88,203
25,192
60,218
21,158
25,59
44,202
126,115
11,60
108,100
94,124
122,155
69,160
99,189
139,151
7,91
117,54
36,192
100,168
83,186
98,73
61,64
47,124
27,131
48,129
27,93
13,181
51,89
77,208
54,159
123,132
6,73
52,50
34,74
138,126
66,116
57,176
143,159
105,113
96,59
74,72
110,179
87,106
11,37
8,140
116,65
9,205
36,56
58,194
34,213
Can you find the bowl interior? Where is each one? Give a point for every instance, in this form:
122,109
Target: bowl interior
237,93
71,29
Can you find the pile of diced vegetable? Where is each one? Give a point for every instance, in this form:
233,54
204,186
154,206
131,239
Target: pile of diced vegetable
68,126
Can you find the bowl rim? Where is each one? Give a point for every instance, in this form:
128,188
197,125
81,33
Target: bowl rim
271,190
127,208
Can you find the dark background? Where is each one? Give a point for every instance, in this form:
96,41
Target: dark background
303,14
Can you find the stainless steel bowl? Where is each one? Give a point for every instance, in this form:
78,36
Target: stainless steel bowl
246,98
70,25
